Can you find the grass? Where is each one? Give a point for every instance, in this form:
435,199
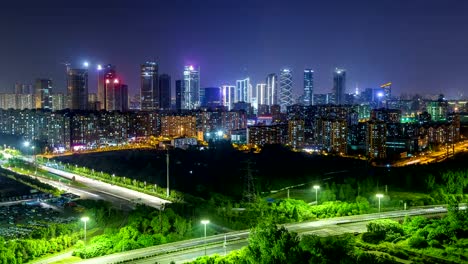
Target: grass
67,260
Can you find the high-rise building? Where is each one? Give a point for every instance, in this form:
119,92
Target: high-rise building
43,94
211,97
243,91
93,103
116,94
191,95
387,90
286,83
106,72
339,85
296,133
228,94
308,87
58,101
165,91
149,91
376,137
77,86
260,94
180,91
271,95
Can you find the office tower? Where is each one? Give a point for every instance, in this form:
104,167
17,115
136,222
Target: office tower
211,97
116,94
180,91
308,87
77,86
228,94
271,95
286,97
43,94
260,95
243,89
165,91
149,90
339,85
191,95
106,72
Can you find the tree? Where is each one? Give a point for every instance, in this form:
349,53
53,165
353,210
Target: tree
270,244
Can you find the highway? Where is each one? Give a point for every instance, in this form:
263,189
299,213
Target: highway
109,189
86,192
435,156
235,240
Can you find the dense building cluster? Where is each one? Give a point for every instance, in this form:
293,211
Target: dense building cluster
74,130
371,122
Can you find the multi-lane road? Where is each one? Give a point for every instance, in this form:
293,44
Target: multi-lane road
435,156
110,189
190,249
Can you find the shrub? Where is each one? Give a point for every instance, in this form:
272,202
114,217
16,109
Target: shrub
417,242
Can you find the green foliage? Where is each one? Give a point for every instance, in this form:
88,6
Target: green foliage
382,229
270,244
146,227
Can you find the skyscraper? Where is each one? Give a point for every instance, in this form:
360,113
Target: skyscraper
308,87
271,95
43,94
77,88
286,97
261,93
228,93
191,95
211,97
149,91
180,91
339,85
106,72
165,91
243,90
116,94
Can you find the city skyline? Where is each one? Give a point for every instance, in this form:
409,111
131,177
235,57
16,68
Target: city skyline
408,50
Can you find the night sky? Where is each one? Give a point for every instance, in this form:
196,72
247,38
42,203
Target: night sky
419,45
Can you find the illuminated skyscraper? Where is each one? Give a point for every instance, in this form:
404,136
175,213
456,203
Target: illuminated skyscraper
339,85
106,72
116,94
308,87
260,94
149,91
191,95
77,87
43,94
243,90
228,93
286,97
165,91
271,94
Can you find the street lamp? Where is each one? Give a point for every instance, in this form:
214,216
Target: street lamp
205,222
379,195
316,187
85,219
